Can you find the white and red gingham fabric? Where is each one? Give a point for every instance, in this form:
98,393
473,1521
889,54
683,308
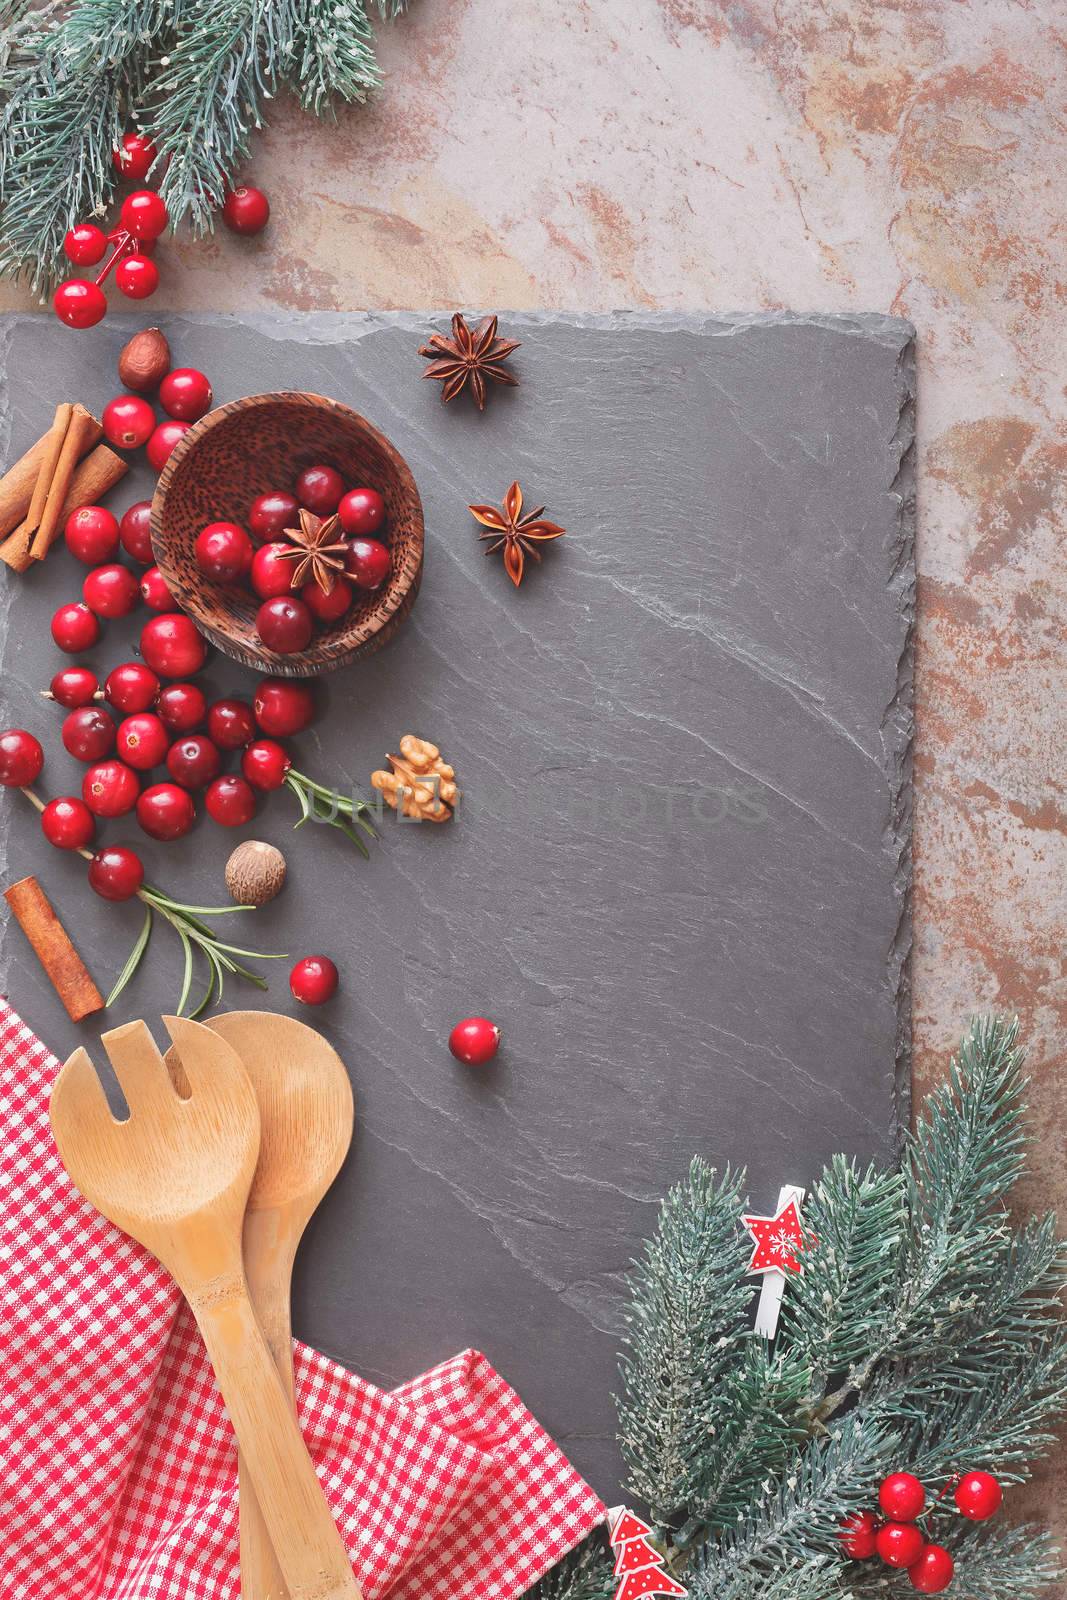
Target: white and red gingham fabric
118,1467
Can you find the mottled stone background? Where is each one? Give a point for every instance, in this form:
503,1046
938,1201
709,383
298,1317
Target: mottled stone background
893,155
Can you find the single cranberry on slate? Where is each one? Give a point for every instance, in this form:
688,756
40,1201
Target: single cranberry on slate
162,442
182,707
246,209
154,591
128,422
131,687
314,980
231,801
231,724
74,686
74,628
88,734
116,872
142,741
166,811
186,394
67,823
92,535
21,758
283,707
193,760
135,532
110,789
111,591
265,764
172,646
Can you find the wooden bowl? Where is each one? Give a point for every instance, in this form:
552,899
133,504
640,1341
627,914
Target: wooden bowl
263,442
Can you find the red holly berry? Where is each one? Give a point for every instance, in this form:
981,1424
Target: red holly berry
181,707
367,563
137,277
111,591
154,591
110,789
327,607
361,512
162,442
79,303
272,513
265,764
135,531
92,535
74,628
223,551
142,741
67,823
131,687
144,214
284,624
320,488
900,1544
231,801
88,734
85,245
933,1570
21,758
978,1495
902,1497
272,573
857,1535
116,873
166,811
193,761
185,393
314,980
474,1041
128,421
231,724
172,646
283,707
246,210
134,157
74,686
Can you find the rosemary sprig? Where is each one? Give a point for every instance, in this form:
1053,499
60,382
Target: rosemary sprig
319,804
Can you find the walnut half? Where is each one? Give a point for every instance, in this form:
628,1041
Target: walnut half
421,785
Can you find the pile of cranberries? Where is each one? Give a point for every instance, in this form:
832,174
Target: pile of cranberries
265,557
129,420
898,1540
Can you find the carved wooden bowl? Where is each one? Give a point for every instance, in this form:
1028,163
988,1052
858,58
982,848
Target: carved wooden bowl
263,442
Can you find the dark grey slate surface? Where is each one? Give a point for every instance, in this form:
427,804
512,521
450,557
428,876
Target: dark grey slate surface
679,878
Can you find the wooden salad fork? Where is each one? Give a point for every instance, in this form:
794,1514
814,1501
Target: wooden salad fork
175,1176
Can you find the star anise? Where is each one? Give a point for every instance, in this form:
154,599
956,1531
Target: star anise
468,358
318,549
517,535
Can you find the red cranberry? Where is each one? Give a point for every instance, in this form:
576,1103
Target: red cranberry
111,591
246,210
142,741
110,789
283,707
933,1571
172,646
85,245
272,513
978,1495
131,687
162,442
116,873
128,421
314,980
67,823
265,764
327,607
181,707
193,760
166,811
154,591
320,489
134,157
79,303
143,214
901,1497
92,535
88,734
186,394
223,551
361,512
857,1535
367,563
474,1041
137,277
74,686
285,625
231,801
21,758
900,1544
231,724
135,531
74,628
272,572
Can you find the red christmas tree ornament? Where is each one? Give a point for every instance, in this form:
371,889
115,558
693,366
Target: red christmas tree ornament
778,1240
634,1555
650,1580
628,1525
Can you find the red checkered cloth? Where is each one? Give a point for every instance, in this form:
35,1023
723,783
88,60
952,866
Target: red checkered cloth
118,1471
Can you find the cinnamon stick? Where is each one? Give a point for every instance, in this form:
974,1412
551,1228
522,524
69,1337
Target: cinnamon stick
99,472
18,482
73,448
51,943
49,461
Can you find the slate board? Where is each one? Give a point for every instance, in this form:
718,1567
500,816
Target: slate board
679,878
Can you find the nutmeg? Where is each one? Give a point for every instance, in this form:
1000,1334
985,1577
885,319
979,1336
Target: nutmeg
144,361
255,873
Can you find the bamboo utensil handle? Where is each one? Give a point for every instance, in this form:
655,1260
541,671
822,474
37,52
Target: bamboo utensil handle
269,1247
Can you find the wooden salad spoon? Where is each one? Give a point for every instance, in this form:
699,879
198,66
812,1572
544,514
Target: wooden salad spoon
306,1117
176,1175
